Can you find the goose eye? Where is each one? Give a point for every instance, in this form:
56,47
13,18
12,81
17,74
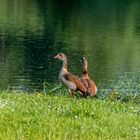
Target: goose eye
82,60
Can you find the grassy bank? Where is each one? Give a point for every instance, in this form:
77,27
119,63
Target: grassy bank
40,117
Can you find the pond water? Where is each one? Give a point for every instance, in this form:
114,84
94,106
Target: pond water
107,32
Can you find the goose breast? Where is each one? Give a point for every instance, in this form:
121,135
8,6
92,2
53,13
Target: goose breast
66,80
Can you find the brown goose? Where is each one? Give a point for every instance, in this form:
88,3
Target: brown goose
89,84
69,80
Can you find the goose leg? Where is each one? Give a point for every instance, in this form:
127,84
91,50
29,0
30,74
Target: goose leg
82,94
71,93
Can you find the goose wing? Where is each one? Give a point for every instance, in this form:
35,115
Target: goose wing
93,88
76,81
86,84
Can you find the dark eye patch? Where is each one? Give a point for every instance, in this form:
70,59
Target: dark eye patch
60,54
81,60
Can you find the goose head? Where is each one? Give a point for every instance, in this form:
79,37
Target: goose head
83,61
61,56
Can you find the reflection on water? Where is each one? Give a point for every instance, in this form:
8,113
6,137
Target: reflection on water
32,32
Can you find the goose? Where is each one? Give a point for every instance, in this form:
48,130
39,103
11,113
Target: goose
69,80
86,81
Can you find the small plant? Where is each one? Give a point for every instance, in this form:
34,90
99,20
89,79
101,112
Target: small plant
126,89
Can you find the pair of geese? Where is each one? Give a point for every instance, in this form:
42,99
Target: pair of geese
84,85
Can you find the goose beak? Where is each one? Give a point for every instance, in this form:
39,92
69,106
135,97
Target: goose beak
56,57
81,60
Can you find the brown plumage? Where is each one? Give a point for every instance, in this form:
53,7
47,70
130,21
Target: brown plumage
89,84
69,80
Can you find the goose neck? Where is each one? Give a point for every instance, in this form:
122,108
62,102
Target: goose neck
64,63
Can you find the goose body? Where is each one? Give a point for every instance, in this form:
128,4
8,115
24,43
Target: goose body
89,84
69,80
65,79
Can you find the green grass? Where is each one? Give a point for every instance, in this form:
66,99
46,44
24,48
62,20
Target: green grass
58,117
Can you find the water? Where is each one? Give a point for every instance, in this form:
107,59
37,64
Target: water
107,32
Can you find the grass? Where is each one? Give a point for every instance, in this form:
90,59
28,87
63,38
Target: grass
124,89
49,117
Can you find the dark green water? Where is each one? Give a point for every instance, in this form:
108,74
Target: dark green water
107,32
